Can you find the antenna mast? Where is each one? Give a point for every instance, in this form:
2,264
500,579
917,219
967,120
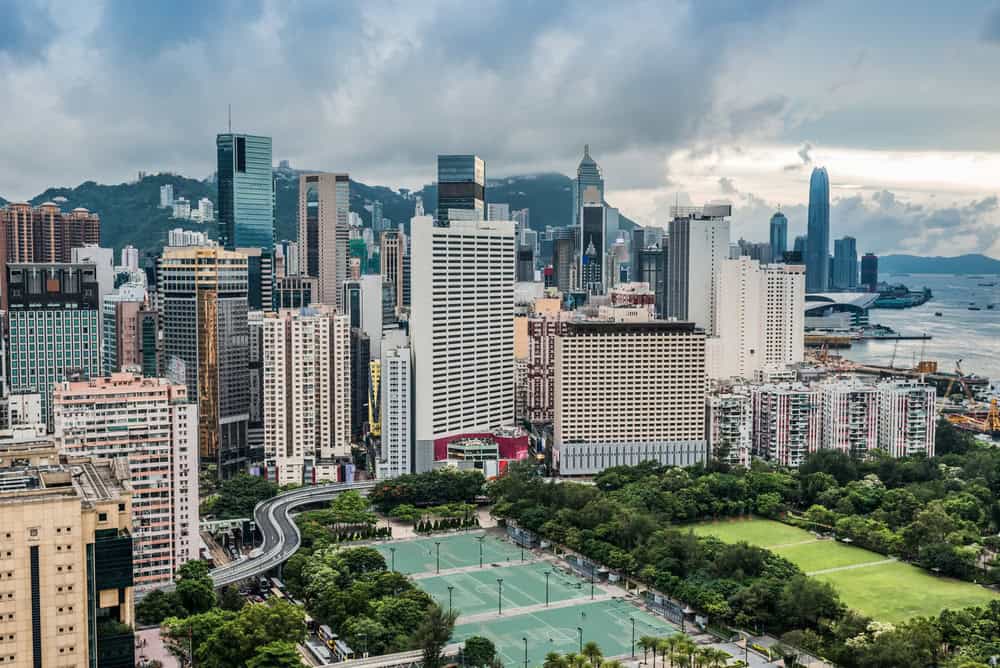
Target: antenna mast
230,118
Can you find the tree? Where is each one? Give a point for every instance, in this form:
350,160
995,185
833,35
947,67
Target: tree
769,504
804,601
195,590
182,635
235,642
157,605
647,643
433,634
351,508
593,652
479,651
276,655
240,494
555,660
229,598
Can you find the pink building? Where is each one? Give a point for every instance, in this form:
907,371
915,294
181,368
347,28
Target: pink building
151,422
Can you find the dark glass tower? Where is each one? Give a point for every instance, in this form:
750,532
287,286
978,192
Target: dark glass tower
779,236
845,263
869,271
246,192
461,186
818,232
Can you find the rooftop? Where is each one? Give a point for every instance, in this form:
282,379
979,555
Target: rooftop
35,471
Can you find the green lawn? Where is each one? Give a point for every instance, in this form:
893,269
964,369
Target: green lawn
888,592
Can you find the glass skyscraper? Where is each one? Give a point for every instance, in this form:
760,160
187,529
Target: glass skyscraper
779,236
461,187
845,263
587,174
246,192
818,232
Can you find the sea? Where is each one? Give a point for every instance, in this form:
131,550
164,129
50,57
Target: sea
957,334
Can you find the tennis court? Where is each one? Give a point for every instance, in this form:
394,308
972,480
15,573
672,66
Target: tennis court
458,550
556,630
477,591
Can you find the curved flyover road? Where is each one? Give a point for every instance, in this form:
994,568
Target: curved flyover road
281,535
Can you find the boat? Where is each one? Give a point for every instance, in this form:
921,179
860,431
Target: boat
975,308
937,314
986,285
990,307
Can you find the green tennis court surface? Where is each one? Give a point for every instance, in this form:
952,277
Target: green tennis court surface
458,550
555,630
476,591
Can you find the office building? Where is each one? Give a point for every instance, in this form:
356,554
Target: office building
307,395
593,231
461,188
395,414
65,527
260,278
498,211
650,267
799,246
290,254
206,210
787,422
779,236
255,373
628,392
150,343
699,242
462,329
54,327
324,205
817,251
392,251
203,301
121,343
729,427
850,416
907,418
179,237
361,359
869,272
130,258
150,423
525,264
166,196
588,176
564,254
246,191
784,314
845,264
741,298
295,291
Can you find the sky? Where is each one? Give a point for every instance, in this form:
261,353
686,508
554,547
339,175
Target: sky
696,101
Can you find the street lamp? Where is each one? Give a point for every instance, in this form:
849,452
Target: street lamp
481,550
392,553
525,652
451,588
591,584
437,547
579,630
499,596
632,619
547,574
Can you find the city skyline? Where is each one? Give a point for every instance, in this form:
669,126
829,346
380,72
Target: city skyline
756,117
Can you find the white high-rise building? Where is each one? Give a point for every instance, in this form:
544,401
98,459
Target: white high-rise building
306,370
130,257
206,210
396,412
699,242
462,329
628,391
498,211
760,316
182,208
730,426
151,423
180,237
907,418
787,422
850,416
166,196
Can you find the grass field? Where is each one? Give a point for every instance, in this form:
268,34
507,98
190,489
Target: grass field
458,550
890,592
476,591
555,630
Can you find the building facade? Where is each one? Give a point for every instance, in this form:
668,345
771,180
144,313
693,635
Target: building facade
588,175
729,427
850,417
817,246
869,272
907,418
627,392
778,236
699,242
462,329
392,250
845,263
461,188
324,208
203,297
307,395
396,413
246,191
150,423
787,422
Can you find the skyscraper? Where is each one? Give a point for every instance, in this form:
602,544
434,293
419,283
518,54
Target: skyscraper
588,174
462,330
393,247
869,271
246,191
462,187
593,232
818,232
203,297
845,263
324,208
396,457
779,236
699,242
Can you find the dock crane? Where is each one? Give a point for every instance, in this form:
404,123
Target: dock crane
960,379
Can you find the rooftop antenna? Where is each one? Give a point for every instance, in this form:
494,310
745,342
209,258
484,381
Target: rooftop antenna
230,118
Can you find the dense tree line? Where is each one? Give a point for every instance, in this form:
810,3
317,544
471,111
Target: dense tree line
433,488
934,510
238,496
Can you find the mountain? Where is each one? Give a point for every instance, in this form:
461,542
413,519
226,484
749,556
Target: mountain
915,264
130,212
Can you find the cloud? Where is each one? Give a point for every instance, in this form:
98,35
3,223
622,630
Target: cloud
991,27
727,186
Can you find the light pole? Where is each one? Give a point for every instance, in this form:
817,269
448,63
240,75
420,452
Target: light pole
632,619
547,574
451,588
525,652
392,556
499,596
579,630
481,551
437,547
591,584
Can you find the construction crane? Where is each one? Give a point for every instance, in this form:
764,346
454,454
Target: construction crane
960,379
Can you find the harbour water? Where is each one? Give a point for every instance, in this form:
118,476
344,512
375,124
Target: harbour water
958,333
